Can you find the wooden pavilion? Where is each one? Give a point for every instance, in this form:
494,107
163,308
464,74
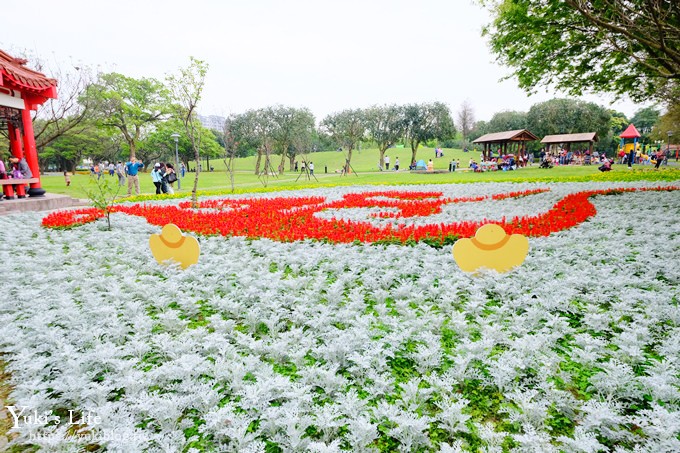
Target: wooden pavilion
23,90
568,139
509,142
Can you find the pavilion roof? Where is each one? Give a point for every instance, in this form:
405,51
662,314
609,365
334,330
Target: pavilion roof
14,75
630,132
571,138
520,135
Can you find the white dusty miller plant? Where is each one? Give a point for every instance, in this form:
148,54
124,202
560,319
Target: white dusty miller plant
307,346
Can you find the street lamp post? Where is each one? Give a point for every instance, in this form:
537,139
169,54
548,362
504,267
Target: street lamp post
179,176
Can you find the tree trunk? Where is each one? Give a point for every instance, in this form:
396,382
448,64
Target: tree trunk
282,164
414,152
292,162
259,161
349,160
133,149
382,157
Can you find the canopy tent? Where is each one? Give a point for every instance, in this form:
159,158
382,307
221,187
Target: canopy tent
516,139
568,139
23,90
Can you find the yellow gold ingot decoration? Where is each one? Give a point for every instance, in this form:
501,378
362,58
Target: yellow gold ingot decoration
172,245
491,248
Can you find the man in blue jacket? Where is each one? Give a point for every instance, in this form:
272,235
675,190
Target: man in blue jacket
132,168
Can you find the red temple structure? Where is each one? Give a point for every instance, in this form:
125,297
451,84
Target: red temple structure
23,90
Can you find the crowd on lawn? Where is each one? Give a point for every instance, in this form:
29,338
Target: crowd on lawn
163,175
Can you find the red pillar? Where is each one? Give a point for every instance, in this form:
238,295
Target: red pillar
15,141
30,151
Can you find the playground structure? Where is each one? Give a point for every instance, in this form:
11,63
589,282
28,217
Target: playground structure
630,133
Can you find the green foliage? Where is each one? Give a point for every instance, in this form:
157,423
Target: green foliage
103,195
185,90
425,122
129,105
645,119
385,126
159,145
621,47
67,151
568,116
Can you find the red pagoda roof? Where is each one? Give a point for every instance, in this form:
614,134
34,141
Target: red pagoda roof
630,132
14,75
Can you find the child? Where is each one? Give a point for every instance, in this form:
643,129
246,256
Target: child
67,178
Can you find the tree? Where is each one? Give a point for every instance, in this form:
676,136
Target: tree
385,126
466,119
508,120
348,129
186,89
68,150
668,122
568,116
160,145
626,47
292,125
425,122
645,119
71,110
130,105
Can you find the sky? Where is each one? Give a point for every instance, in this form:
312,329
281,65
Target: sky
327,55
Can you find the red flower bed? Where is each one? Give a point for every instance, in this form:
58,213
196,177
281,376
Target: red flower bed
292,219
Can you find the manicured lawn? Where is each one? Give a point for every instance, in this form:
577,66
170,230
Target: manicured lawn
364,162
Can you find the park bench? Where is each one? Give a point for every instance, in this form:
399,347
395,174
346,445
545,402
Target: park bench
20,183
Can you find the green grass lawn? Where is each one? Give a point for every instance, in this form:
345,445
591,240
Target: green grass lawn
365,163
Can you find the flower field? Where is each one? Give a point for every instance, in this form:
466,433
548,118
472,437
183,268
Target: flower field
336,319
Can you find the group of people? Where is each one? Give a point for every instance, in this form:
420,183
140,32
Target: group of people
386,159
18,169
163,175
656,158
304,166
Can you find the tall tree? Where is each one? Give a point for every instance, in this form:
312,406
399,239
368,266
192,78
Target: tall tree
645,119
160,145
68,150
567,116
293,125
508,120
348,129
626,47
186,89
466,119
668,122
385,126
130,105
425,122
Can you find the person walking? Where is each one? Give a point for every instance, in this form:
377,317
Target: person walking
132,167
396,164
157,177
660,156
387,162
112,168
120,172
311,168
170,177
631,158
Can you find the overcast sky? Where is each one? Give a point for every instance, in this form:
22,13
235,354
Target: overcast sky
325,55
